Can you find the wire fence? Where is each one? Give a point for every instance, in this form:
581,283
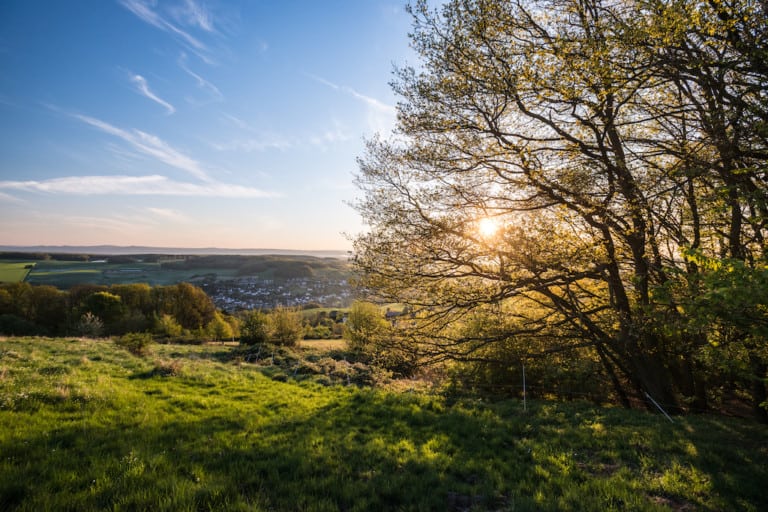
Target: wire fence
729,403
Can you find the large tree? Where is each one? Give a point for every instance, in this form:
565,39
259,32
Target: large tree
561,165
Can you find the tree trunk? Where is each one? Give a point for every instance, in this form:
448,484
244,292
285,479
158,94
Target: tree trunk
620,393
655,380
759,393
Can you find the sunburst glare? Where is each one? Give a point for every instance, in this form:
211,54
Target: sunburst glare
488,227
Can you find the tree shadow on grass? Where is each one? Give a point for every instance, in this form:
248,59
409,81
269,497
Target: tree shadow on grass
364,450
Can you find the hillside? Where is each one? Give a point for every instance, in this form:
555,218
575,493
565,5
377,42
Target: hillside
85,425
233,281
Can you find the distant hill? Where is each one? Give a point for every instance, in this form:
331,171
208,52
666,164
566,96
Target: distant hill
134,249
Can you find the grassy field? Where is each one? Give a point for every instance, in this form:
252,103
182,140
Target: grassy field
14,271
85,425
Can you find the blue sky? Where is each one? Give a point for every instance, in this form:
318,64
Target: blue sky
191,123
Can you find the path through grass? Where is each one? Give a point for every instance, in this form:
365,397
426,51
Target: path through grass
87,426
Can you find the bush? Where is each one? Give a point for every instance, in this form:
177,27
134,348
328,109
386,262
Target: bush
167,326
286,328
365,326
169,368
254,329
90,326
13,325
137,343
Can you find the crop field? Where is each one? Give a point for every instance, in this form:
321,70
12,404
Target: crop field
65,274
87,426
14,271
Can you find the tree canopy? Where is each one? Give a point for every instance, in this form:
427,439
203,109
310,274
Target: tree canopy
586,177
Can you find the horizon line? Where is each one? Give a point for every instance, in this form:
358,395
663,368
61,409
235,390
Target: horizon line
150,249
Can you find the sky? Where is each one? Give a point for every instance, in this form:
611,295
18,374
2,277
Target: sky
192,123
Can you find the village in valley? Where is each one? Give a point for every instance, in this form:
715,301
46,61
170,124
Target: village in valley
259,293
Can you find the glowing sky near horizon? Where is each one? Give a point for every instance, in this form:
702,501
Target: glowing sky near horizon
191,123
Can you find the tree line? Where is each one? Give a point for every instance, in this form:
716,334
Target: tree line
97,310
621,149
176,313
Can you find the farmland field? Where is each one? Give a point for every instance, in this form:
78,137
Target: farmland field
14,271
65,274
85,426
164,270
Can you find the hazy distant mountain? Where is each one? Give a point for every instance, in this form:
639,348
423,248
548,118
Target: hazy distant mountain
134,249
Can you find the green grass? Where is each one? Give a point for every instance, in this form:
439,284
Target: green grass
14,271
85,425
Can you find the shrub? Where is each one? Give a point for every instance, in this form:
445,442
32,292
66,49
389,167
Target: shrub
90,326
254,329
137,343
167,326
168,368
286,326
364,327
17,326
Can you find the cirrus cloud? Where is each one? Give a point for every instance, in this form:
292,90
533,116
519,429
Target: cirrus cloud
143,87
149,145
133,185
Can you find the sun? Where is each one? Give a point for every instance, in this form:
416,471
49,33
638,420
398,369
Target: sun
487,227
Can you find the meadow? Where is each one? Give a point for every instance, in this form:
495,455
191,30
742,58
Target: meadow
85,425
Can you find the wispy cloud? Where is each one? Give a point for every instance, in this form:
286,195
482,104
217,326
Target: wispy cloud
381,116
263,140
334,135
145,11
238,122
201,82
259,140
143,87
168,214
194,14
4,100
151,145
255,144
10,199
99,223
152,185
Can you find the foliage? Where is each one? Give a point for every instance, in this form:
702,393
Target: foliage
375,339
285,326
254,328
85,426
167,327
365,326
323,323
108,307
137,343
93,310
15,326
555,159
219,329
90,325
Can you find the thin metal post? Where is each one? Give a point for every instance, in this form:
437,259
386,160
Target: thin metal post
525,405
658,407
